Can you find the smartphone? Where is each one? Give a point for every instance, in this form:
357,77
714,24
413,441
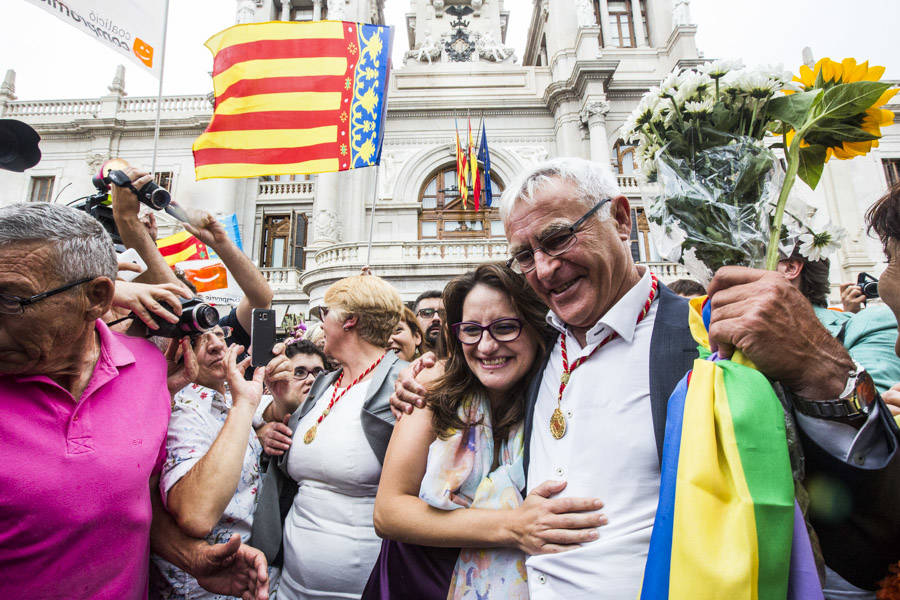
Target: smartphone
262,336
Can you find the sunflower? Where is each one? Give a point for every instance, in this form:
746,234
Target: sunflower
827,74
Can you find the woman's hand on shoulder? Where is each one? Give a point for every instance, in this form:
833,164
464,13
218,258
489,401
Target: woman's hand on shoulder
546,525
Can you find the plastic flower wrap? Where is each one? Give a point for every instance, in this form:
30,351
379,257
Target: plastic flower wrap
704,136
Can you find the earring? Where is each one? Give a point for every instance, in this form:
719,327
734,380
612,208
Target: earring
346,328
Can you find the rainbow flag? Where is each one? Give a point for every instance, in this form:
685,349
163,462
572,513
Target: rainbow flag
727,524
295,97
181,246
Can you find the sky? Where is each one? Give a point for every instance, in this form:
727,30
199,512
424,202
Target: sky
54,60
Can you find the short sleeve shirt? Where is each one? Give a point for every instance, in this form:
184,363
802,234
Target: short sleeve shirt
198,415
75,506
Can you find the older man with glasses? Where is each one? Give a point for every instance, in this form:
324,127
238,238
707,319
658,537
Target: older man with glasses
83,421
596,414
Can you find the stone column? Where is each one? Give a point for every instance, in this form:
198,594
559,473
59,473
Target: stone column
325,221
594,115
317,10
285,10
604,23
640,40
7,90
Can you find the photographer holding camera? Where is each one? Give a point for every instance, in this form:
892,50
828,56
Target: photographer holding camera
203,226
211,474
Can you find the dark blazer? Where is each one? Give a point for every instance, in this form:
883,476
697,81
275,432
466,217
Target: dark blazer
858,543
277,489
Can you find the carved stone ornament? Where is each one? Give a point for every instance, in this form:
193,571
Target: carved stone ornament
681,12
545,10
246,11
428,51
438,8
595,108
530,155
94,160
325,224
490,49
584,10
336,9
458,44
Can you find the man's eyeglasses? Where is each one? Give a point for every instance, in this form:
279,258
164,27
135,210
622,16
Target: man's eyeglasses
301,373
15,305
554,244
220,333
427,313
502,330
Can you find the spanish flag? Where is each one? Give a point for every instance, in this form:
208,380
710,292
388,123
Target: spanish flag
295,97
181,246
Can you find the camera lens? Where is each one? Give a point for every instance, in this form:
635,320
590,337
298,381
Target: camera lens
203,317
155,196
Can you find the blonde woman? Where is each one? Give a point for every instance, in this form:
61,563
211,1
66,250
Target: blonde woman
316,502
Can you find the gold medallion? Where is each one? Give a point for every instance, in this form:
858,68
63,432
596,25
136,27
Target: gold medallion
557,424
311,435
564,379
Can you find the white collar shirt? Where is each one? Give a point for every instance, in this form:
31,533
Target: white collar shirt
608,451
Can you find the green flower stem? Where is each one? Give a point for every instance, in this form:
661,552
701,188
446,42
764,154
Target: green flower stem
793,165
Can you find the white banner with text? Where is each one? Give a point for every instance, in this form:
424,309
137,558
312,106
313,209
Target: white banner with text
131,27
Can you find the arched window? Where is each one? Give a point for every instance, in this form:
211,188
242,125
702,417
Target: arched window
442,214
625,158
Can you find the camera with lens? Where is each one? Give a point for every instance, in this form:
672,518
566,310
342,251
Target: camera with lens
868,285
150,194
196,317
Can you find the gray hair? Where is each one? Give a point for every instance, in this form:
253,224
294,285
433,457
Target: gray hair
592,181
81,245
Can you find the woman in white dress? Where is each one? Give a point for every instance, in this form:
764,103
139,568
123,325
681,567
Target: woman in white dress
316,502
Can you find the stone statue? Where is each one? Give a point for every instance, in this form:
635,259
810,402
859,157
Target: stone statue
584,9
427,51
117,87
681,12
336,9
246,11
325,223
489,48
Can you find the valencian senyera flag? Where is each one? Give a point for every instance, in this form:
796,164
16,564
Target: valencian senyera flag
181,246
295,97
727,524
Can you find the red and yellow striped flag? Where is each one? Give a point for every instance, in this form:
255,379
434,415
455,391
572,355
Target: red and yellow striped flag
181,246
295,97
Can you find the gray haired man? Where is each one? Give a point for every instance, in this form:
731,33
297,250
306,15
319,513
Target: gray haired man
83,415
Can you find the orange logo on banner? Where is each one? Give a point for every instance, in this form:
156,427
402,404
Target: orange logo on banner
206,279
143,51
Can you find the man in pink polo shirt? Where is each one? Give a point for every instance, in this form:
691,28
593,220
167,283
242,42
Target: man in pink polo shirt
83,417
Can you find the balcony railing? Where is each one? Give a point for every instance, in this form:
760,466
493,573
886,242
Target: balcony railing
383,253
286,190
51,108
184,104
282,279
666,271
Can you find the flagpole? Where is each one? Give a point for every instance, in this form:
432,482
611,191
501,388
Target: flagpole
162,70
372,217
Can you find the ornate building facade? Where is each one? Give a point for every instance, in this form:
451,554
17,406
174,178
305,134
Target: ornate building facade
583,70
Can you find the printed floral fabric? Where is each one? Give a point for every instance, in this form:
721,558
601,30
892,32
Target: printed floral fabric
198,414
458,475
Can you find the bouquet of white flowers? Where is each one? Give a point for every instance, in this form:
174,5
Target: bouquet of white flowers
701,136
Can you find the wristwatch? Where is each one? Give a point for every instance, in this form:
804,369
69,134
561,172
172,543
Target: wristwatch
856,401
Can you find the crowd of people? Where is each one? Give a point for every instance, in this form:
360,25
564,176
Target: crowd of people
500,438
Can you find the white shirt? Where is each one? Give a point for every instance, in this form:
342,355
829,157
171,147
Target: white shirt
608,451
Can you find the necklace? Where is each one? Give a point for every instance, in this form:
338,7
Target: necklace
311,432
557,420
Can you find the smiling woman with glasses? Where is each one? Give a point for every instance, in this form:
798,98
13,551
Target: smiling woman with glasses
464,450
